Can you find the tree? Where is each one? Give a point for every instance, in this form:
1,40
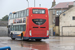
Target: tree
5,18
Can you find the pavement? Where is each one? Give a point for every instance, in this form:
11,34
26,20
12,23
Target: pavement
53,43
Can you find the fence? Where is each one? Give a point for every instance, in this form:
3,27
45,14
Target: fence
5,48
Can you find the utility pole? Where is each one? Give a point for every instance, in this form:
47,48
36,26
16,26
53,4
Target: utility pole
28,3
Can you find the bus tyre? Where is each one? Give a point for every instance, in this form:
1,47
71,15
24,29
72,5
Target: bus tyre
22,37
38,39
12,37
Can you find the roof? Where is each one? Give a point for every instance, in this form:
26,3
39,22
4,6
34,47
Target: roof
63,5
68,11
38,7
29,8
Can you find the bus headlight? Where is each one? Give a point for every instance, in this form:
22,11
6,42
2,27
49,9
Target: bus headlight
47,32
30,33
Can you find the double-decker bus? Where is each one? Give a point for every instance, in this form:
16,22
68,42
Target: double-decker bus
31,23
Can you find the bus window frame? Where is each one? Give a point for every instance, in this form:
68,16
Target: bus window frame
39,13
24,27
21,13
16,28
10,15
14,15
24,13
19,27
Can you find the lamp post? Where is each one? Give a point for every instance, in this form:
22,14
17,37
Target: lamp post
34,3
39,5
28,3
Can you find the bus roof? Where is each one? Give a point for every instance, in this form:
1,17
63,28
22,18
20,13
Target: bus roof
36,7
29,8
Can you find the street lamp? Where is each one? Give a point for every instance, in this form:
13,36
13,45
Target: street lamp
28,3
34,3
39,5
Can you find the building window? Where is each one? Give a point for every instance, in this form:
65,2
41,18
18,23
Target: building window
64,10
58,12
73,18
53,21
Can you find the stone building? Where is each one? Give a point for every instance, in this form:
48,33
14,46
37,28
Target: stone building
55,11
67,23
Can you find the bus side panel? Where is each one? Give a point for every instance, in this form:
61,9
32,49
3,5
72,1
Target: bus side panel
27,28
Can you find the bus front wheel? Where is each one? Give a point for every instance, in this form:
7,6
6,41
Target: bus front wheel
12,37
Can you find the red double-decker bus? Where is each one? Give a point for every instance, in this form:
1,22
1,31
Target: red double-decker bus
31,23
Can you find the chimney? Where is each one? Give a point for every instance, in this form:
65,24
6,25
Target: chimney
74,3
53,3
54,0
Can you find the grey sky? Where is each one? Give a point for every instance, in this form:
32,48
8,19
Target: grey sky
7,6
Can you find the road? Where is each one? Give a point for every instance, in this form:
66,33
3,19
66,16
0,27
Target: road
53,43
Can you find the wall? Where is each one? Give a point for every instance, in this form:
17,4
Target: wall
3,31
66,20
52,20
57,30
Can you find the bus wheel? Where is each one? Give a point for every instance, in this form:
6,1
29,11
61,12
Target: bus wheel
12,37
22,37
38,39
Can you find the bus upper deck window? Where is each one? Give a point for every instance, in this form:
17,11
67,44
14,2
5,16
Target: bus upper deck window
10,16
14,15
38,11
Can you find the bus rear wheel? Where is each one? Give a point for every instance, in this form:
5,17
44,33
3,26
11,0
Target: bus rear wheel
22,38
12,37
38,39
